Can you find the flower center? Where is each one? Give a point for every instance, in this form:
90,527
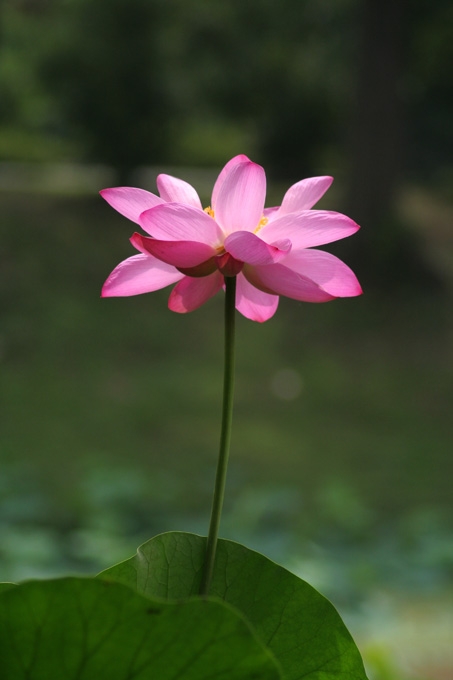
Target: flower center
263,221
222,261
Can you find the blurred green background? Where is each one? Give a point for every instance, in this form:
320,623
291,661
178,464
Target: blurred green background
341,461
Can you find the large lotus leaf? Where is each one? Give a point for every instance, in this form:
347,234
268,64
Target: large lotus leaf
6,586
301,627
90,629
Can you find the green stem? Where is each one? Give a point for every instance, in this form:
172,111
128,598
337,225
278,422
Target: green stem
225,435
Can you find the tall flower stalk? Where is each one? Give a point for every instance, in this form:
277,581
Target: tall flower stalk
255,253
225,434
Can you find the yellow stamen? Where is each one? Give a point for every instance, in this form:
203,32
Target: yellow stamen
263,221
209,211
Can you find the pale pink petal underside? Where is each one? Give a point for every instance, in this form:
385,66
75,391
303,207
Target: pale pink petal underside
253,303
174,190
247,247
191,293
139,274
309,228
270,213
328,271
304,194
129,201
240,201
176,222
277,279
176,253
241,158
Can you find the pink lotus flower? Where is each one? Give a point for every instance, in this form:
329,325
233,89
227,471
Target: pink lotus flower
269,250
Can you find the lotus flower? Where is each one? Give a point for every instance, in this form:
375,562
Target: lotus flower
269,250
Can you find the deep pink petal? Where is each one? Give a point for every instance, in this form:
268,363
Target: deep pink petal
176,253
176,222
174,190
228,265
129,201
329,272
247,247
304,194
139,274
309,228
240,201
277,279
191,293
253,303
221,178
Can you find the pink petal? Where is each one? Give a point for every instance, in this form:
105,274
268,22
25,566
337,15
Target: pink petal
221,178
304,194
240,201
176,222
139,274
247,247
271,212
174,190
191,293
228,265
176,253
129,201
309,228
253,303
329,272
277,279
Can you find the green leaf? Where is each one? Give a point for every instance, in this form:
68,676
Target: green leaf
6,586
301,627
87,629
